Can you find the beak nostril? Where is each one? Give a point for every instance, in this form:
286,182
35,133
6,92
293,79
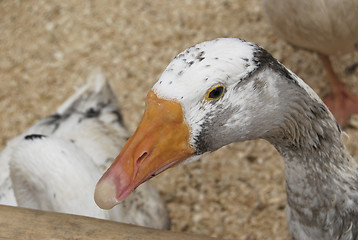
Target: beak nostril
141,158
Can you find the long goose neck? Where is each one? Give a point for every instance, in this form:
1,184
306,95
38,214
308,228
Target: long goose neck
317,163
310,136
320,173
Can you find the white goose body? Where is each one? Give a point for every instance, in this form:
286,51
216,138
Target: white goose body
326,26
229,90
55,164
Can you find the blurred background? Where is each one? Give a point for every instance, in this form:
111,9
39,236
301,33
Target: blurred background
47,49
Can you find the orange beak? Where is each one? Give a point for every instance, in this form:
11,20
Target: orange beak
160,142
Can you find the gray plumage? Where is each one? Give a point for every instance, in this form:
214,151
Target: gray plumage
263,99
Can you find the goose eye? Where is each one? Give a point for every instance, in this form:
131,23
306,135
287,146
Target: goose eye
215,93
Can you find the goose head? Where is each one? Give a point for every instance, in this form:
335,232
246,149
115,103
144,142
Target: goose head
210,95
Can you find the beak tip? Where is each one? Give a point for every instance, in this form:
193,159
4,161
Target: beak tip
105,194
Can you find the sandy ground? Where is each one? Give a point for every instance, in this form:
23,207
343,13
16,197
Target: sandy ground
47,48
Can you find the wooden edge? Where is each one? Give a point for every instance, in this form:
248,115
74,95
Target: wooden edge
23,223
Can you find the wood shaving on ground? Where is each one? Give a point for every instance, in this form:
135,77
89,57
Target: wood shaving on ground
47,48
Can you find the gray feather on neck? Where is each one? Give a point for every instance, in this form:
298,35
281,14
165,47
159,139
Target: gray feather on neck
321,179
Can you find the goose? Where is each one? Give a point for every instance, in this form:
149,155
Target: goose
55,164
228,90
326,27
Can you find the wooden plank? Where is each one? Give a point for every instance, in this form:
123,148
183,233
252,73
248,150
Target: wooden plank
22,223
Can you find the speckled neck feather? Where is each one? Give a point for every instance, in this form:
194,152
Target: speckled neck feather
321,179
264,99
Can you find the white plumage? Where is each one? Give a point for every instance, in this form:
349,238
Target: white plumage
55,164
229,90
326,27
